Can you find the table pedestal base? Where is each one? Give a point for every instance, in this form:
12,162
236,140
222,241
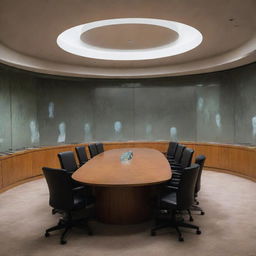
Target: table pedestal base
123,205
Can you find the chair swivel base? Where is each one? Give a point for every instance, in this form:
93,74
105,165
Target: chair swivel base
175,224
67,225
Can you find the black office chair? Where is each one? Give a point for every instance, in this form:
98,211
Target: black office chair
178,154
100,147
65,200
174,182
176,201
93,150
199,160
171,150
68,161
81,155
185,161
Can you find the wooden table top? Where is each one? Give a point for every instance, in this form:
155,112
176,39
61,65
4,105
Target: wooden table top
148,166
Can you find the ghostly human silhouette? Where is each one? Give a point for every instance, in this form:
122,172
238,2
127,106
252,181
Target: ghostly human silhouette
118,129
87,132
254,127
200,103
218,120
173,134
51,110
34,132
62,132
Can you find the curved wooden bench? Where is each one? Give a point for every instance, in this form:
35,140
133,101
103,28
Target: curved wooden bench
27,165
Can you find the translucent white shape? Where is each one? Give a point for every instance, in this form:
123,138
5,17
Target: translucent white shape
173,134
218,120
62,132
117,126
51,110
35,136
200,103
87,132
188,39
254,126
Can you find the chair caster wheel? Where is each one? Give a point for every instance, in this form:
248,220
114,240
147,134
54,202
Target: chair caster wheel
191,219
202,213
181,239
198,232
46,234
63,242
153,233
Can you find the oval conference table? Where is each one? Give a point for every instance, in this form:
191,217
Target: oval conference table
123,188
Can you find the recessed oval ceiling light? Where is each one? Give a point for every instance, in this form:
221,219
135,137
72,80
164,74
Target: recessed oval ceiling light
70,41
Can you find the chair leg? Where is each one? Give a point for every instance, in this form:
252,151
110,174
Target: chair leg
59,226
187,225
197,208
181,239
160,226
190,215
63,235
67,223
175,223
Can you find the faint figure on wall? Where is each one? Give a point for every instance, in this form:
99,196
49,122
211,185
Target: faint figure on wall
62,132
173,134
218,120
51,110
200,103
118,129
206,115
87,132
34,133
254,128
149,131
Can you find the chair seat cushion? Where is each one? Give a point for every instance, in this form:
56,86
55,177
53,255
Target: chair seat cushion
79,202
169,200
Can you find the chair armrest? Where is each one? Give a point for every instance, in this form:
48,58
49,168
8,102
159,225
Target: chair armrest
176,172
76,189
175,179
170,187
177,168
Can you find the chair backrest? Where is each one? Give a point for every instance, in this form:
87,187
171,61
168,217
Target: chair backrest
186,190
172,149
186,157
81,155
93,150
68,161
99,147
60,188
199,160
179,152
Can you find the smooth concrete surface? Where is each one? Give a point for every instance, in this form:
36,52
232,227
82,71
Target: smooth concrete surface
18,111
216,107
5,113
228,227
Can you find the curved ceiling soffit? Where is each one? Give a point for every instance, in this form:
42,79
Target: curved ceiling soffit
237,57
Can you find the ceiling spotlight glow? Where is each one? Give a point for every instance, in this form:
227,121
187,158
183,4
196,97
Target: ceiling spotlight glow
70,41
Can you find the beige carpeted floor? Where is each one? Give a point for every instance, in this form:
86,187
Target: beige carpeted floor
228,228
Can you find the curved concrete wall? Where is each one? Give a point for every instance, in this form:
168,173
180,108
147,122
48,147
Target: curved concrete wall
216,107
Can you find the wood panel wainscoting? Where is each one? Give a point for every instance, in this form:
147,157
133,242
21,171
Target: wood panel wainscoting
26,165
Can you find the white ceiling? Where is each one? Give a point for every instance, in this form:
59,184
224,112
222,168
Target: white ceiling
29,30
